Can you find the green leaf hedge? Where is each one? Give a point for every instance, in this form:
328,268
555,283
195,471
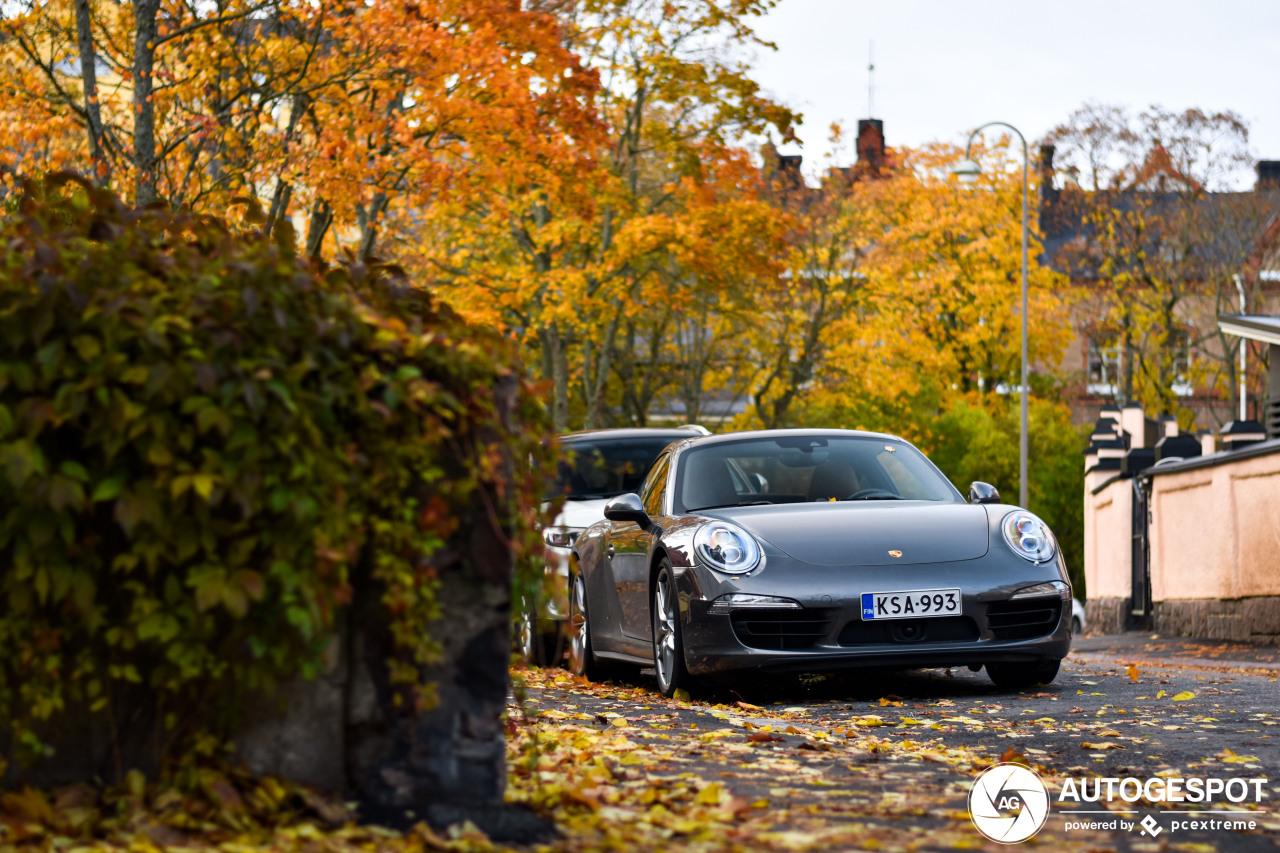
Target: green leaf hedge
201,436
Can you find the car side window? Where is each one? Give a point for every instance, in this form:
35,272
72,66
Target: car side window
651,494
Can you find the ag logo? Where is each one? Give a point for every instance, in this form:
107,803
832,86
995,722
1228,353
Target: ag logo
1008,803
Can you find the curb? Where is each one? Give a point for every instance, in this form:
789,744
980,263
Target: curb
1144,658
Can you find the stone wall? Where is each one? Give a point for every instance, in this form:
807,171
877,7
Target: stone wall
1106,615
1213,545
1245,620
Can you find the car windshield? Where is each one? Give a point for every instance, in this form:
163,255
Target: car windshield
799,468
605,467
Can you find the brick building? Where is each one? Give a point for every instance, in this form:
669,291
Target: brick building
1236,248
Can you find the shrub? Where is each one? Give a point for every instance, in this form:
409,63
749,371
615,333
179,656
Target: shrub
202,439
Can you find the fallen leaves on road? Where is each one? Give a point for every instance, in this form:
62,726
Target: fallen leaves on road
743,776
619,767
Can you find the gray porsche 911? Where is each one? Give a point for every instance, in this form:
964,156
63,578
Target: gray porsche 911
813,550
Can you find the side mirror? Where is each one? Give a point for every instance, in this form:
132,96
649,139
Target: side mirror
627,508
983,493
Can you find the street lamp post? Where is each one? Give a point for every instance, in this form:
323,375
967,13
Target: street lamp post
968,170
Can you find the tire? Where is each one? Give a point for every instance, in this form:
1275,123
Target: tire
582,658
1018,675
535,646
527,644
668,643
1076,628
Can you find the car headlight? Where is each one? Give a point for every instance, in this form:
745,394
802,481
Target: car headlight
726,547
1028,536
559,537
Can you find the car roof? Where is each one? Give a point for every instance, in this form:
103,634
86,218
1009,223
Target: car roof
727,437
631,432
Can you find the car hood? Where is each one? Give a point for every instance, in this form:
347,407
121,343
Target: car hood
867,533
581,514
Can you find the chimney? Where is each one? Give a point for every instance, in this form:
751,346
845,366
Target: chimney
1046,165
768,159
1268,174
789,170
871,143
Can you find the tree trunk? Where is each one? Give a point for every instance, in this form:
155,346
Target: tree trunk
144,113
89,76
555,368
597,384
369,224
321,218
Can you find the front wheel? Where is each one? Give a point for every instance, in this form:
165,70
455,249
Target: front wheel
1018,675
668,644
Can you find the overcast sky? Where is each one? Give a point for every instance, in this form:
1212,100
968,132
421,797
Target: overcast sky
944,67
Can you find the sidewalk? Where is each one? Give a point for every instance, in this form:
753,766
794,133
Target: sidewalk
1136,646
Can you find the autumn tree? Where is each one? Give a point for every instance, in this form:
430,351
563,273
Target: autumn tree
689,331
1162,239
327,113
823,287
934,278
565,261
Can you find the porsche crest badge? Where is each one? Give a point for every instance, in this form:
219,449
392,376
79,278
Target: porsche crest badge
895,553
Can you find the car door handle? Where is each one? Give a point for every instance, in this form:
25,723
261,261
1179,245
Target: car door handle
609,553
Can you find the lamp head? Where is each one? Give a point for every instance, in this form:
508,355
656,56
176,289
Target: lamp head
967,171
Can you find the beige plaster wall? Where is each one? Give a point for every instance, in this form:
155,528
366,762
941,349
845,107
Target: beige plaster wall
1215,531
1108,543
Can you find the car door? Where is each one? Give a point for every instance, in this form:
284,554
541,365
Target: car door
631,547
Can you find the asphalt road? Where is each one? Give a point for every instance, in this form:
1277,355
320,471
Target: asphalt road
1130,706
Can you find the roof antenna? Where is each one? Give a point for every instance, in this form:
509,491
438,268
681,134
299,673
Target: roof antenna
871,80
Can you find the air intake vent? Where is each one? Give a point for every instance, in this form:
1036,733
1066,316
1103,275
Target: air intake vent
1024,619
779,630
1273,411
947,629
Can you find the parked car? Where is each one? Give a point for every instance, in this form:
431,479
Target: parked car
595,465
753,553
1077,617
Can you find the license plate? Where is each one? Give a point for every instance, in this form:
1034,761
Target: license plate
910,604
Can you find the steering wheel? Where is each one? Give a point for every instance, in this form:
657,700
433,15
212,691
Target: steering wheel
866,493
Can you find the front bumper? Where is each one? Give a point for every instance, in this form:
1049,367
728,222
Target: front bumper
828,632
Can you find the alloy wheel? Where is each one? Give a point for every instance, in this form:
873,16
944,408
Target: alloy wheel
527,631
664,633
580,642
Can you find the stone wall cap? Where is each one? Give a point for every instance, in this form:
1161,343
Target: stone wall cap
1261,448
1110,480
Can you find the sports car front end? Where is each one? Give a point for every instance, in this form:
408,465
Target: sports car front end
908,584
